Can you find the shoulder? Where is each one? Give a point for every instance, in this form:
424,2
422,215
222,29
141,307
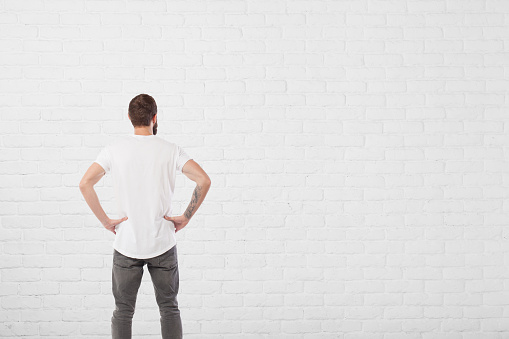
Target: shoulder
118,141
170,144
164,143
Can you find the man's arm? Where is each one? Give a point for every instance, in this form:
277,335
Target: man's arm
94,173
193,171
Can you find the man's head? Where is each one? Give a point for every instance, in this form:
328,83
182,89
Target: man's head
142,110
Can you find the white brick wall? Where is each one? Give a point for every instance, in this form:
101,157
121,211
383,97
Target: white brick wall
357,150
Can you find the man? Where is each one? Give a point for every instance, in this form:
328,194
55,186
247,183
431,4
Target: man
143,168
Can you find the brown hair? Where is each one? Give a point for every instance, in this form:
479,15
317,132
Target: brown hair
142,109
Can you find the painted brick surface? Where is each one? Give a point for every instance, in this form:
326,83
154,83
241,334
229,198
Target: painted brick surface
357,151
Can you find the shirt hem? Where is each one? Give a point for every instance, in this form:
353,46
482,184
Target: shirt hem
143,256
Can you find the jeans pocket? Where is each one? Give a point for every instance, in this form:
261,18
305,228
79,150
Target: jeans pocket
121,260
169,258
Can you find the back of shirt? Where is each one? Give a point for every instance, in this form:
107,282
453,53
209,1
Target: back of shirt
143,170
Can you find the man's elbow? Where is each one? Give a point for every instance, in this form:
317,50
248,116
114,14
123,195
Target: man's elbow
84,185
205,181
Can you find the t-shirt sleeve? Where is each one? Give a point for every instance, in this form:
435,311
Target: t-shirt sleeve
182,158
104,159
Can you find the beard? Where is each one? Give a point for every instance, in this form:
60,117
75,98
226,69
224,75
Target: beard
154,129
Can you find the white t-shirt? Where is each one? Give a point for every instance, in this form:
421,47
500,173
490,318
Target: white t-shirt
143,169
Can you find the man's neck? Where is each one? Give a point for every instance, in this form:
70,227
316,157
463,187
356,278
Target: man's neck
142,131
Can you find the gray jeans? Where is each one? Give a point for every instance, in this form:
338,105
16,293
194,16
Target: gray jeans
126,279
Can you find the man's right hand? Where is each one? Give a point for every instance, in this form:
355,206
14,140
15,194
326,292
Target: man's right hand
179,221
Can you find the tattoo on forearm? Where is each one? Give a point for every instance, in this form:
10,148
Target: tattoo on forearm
194,201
